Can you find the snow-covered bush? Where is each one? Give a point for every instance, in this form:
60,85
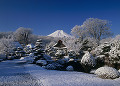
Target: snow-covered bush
70,68
47,57
2,56
42,62
114,54
29,48
31,55
6,46
59,53
19,53
119,70
88,59
39,50
72,44
57,66
50,67
88,43
101,53
27,59
102,48
79,46
88,62
71,54
10,56
107,73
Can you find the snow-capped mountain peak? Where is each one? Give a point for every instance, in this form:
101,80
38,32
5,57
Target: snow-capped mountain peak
59,33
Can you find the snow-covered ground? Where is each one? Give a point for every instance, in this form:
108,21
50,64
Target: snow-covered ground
15,73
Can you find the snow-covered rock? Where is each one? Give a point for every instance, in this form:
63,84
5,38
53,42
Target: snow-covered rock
107,73
88,59
42,62
60,33
70,68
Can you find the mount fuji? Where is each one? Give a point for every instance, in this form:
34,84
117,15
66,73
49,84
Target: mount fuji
61,34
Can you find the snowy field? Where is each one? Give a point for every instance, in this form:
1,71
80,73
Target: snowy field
16,73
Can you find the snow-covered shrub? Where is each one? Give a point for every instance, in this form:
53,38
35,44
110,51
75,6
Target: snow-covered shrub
88,43
6,46
2,56
42,62
88,59
47,57
93,71
107,73
19,53
29,48
10,56
114,54
72,44
39,51
88,62
75,64
1,60
100,61
27,59
61,61
50,67
60,53
70,68
57,66
72,54
119,70
102,48
31,55
101,53
50,49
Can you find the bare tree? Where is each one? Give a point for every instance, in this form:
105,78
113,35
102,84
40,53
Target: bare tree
93,27
22,35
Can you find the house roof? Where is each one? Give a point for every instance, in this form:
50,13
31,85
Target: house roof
59,44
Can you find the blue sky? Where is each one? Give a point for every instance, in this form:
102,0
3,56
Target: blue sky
47,16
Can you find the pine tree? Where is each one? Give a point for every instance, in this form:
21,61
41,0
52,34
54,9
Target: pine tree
39,51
